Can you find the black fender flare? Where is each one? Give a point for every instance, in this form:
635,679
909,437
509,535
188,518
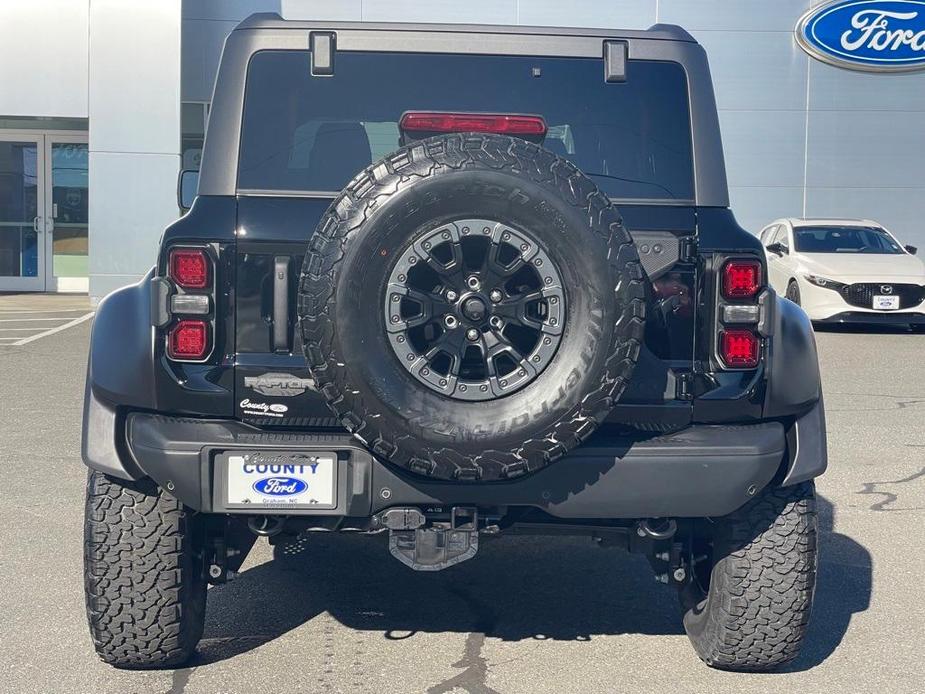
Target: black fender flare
794,389
120,371
794,384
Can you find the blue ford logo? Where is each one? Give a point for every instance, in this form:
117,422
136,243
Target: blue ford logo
872,35
280,486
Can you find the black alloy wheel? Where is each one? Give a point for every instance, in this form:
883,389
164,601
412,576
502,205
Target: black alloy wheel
474,309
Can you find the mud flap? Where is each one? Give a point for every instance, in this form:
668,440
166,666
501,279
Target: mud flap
432,548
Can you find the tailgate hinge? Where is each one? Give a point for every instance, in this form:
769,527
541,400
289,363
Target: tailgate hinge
684,389
688,250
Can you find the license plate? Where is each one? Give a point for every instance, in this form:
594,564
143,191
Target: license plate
271,479
886,303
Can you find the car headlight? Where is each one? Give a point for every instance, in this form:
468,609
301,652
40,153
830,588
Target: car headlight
824,282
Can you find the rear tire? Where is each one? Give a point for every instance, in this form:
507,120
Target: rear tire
143,574
793,292
753,614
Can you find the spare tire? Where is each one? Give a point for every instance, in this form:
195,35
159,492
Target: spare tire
471,307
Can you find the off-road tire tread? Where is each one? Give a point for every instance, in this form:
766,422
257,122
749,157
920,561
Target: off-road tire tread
145,590
344,219
757,619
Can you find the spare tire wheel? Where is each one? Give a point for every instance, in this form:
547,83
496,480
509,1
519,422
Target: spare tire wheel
471,307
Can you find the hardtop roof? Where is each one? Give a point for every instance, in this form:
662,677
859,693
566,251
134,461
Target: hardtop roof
658,32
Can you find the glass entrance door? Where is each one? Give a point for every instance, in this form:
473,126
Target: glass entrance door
43,211
22,213
67,191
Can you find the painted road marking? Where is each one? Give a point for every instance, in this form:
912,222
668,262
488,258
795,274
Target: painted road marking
51,331
42,310
29,320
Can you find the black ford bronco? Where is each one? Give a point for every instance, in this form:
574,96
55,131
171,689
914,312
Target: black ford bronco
444,283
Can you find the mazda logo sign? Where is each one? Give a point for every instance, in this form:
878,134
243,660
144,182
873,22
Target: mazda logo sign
886,289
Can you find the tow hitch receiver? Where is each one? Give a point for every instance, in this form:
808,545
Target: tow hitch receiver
434,547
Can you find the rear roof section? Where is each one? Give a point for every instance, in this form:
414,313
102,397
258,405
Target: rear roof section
659,32
263,32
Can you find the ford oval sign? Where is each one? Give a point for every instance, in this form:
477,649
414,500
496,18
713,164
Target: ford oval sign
280,486
872,35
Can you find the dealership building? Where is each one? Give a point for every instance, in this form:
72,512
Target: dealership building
104,102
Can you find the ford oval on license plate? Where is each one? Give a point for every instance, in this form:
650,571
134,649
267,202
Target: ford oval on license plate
886,303
281,480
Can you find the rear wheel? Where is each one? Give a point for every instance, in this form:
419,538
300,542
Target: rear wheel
143,574
793,292
748,605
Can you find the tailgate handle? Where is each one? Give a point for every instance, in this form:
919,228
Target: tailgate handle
281,303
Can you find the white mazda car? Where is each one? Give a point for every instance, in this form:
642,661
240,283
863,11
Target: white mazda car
845,271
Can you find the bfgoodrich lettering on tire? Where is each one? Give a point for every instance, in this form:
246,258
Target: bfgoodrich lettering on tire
143,576
451,350
749,605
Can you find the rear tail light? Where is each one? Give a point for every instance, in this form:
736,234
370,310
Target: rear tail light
189,303
190,268
741,279
739,349
504,124
188,340
740,313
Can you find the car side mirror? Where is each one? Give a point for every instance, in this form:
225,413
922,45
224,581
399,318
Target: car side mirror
912,249
778,248
187,187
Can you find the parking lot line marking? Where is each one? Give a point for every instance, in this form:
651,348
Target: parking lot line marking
42,310
9,330
52,331
23,320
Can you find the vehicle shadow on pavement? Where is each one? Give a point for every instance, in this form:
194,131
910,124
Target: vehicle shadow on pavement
514,589
843,588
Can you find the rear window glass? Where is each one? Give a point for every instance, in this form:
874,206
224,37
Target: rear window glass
832,239
305,133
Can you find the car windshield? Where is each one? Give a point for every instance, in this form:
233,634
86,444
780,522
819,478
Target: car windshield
844,239
305,133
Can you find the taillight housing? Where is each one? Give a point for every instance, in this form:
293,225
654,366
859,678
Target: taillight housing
740,313
188,340
741,279
739,349
189,303
190,268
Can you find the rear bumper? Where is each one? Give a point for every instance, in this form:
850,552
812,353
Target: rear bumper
704,470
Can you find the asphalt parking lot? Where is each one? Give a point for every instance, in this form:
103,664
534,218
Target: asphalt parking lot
524,616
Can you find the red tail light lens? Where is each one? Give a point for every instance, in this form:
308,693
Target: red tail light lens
739,348
189,268
741,279
505,124
188,340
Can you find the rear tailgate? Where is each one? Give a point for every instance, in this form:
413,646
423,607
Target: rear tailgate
303,133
